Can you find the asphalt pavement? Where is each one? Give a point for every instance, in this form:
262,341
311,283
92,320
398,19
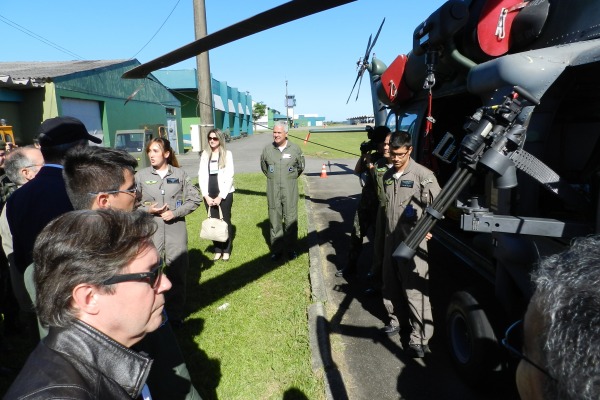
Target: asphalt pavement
358,361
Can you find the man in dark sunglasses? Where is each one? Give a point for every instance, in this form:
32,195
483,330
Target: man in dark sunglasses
100,290
558,340
103,178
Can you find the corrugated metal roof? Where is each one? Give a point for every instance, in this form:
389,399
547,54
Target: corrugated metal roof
36,73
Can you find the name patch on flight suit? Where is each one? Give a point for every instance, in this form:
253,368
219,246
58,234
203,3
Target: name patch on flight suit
172,180
407,184
285,155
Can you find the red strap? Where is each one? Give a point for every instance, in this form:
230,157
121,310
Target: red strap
428,158
429,119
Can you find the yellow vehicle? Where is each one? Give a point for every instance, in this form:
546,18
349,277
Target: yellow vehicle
6,133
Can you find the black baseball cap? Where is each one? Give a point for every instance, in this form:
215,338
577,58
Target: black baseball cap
63,130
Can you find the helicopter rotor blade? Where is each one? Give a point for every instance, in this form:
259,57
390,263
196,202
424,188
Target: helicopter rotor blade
364,62
368,47
355,82
359,83
279,15
376,36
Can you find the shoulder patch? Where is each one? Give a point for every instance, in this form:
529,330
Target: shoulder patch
427,181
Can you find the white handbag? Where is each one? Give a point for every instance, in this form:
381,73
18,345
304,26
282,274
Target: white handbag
214,229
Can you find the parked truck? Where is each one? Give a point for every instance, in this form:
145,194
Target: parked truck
134,141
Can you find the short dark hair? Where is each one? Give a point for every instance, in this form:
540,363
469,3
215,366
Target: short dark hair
377,134
84,246
94,169
568,299
400,139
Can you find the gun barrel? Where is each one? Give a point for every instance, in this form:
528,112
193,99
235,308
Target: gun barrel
457,182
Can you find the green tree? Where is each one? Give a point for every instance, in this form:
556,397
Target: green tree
259,110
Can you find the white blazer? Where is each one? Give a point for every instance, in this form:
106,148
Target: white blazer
224,176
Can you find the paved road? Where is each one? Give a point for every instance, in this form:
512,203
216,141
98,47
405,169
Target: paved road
360,363
246,155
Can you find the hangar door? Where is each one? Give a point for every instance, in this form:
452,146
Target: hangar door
86,111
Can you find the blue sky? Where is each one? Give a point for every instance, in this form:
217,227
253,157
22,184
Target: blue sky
317,55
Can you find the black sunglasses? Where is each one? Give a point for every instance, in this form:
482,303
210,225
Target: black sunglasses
513,341
151,277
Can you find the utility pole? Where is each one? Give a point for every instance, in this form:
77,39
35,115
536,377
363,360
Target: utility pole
205,98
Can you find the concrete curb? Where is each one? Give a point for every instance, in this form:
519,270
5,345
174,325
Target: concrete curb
318,328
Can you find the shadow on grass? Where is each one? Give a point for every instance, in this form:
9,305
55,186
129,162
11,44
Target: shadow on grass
229,281
294,394
206,372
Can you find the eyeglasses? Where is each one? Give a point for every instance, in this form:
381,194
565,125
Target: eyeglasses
33,165
513,340
133,191
151,277
399,156
213,138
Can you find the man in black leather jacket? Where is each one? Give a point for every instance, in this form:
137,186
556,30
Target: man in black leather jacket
100,290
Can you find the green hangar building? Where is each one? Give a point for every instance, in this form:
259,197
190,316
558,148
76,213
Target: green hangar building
232,109
92,91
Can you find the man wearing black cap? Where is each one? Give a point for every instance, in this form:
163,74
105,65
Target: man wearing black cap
40,200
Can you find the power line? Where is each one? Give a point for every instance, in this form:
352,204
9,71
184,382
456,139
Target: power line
38,37
158,30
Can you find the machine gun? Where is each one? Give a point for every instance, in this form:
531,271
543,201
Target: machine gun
494,142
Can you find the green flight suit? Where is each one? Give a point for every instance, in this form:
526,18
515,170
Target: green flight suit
365,215
379,169
282,169
405,287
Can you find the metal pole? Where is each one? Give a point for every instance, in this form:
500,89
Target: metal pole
287,109
205,100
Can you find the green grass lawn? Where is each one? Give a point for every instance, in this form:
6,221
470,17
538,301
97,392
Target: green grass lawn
247,336
257,346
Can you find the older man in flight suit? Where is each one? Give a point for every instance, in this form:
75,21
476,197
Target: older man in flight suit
409,188
282,162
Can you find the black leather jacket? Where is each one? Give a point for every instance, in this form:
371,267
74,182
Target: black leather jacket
80,362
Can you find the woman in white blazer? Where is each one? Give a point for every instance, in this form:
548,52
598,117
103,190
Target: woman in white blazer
215,177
